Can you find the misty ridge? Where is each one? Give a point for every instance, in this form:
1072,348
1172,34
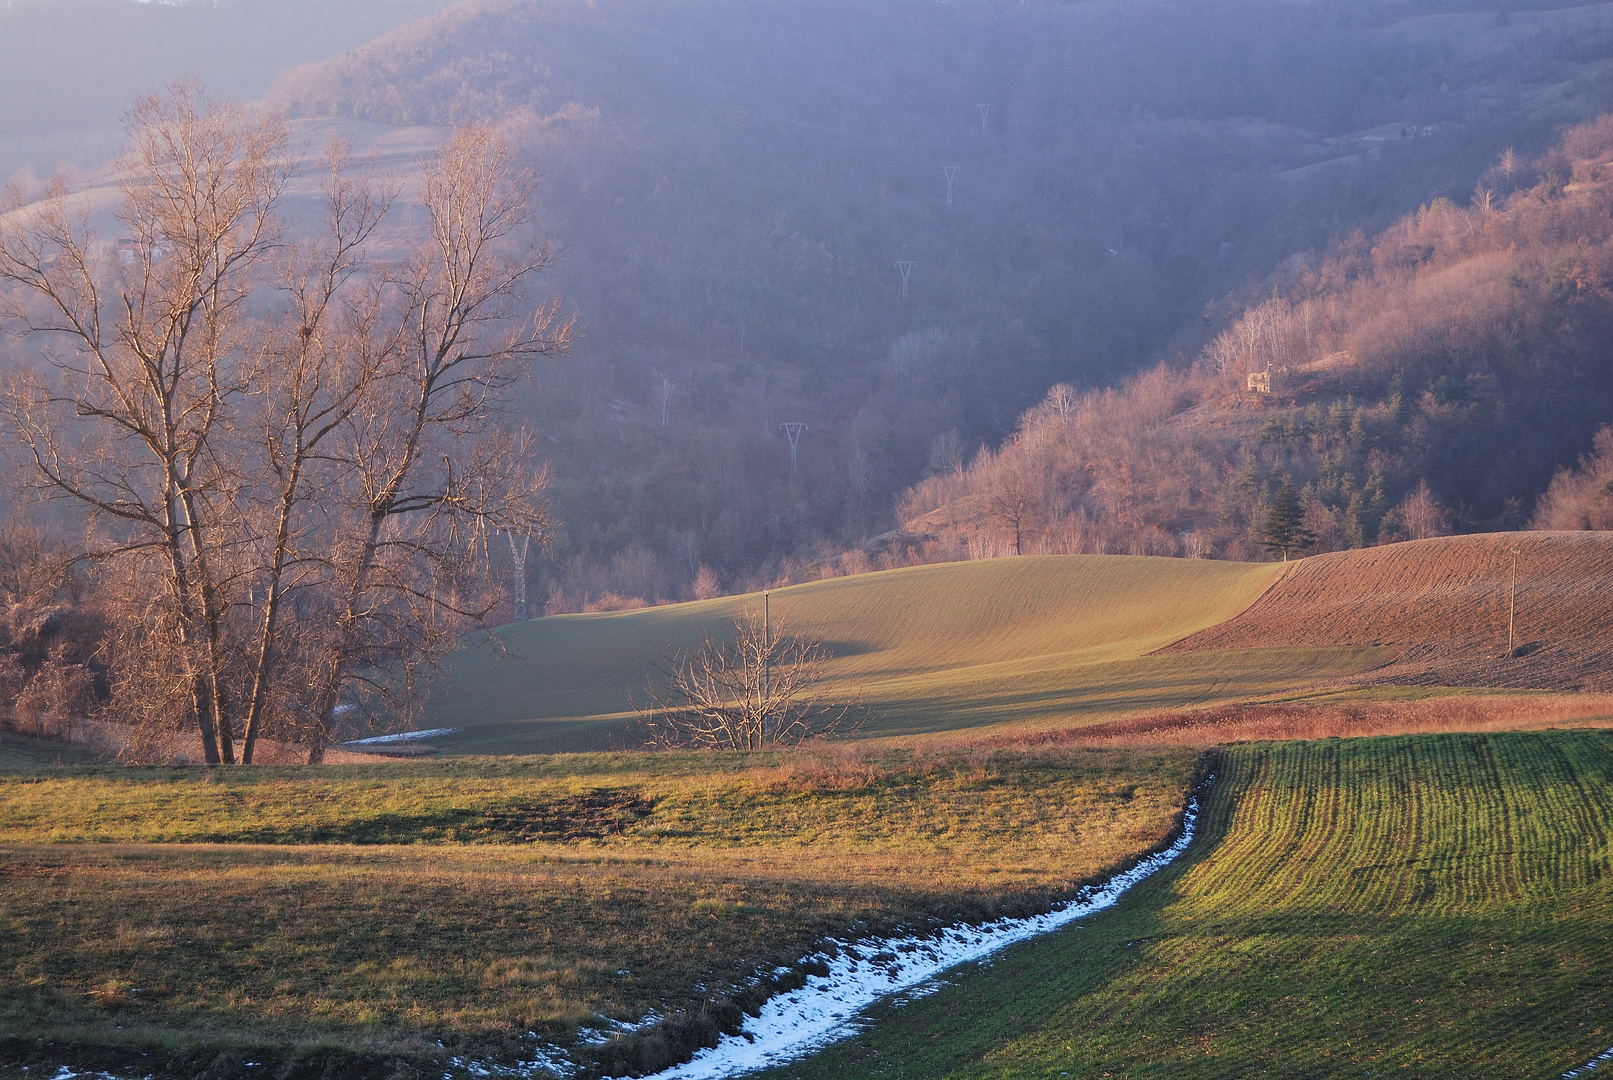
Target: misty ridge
903,224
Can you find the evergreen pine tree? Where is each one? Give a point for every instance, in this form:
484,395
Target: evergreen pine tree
1284,529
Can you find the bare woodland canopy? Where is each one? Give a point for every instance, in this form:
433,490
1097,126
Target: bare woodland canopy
290,455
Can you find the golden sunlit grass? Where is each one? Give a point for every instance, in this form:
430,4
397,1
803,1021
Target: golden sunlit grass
428,916
1028,641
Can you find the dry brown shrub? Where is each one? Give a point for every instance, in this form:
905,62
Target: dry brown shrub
827,767
616,602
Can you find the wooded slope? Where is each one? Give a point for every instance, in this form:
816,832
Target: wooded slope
1427,380
735,183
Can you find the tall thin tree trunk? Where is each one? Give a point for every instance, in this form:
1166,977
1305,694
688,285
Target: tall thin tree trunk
269,627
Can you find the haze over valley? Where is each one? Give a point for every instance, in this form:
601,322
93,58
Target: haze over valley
735,185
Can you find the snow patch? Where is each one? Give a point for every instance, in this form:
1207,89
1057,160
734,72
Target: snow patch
1591,1066
798,1022
402,736
546,1059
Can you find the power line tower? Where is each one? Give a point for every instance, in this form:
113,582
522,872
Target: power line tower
905,267
518,558
950,171
985,114
794,433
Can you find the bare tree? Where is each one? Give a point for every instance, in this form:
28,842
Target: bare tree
761,688
665,388
430,473
133,422
706,583
308,478
326,357
1508,165
1016,495
1422,514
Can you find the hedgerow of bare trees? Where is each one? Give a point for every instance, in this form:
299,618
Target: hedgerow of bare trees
761,687
290,454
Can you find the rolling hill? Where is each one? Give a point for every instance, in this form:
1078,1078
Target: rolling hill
1050,641
931,648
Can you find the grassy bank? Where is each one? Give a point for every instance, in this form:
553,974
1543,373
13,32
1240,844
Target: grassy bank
1433,906
372,911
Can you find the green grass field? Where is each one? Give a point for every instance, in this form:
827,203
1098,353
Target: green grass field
1029,641
353,916
1428,906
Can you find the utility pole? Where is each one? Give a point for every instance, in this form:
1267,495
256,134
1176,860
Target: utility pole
1512,615
905,267
985,114
949,171
518,557
794,433
767,659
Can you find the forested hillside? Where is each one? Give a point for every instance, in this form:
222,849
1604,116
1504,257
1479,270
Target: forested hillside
736,183
1425,380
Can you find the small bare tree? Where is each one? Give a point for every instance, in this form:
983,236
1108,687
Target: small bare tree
761,688
1422,514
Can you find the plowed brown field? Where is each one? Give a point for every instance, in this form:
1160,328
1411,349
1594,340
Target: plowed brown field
1443,603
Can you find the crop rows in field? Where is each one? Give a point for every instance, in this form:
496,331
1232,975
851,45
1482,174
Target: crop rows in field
1438,825
1432,906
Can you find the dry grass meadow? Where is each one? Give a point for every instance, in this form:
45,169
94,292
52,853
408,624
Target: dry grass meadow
353,917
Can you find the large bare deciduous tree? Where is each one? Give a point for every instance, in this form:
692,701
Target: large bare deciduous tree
290,451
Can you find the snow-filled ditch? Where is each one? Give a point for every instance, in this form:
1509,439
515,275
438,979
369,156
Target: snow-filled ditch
1591,1066
795,1023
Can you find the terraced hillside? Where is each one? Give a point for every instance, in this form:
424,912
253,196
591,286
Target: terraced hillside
932,648
1430,906
1442,605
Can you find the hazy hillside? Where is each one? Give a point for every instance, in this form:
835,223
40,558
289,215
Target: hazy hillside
735,184
1427,380
69,68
